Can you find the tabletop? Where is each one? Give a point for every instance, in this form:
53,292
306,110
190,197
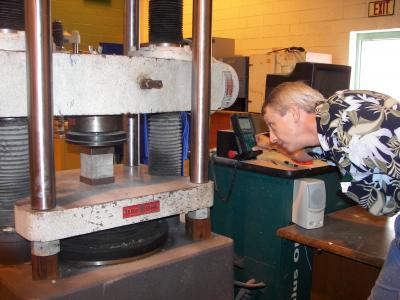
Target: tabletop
351,232
276,164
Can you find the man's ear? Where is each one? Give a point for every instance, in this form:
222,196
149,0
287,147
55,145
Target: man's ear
294,110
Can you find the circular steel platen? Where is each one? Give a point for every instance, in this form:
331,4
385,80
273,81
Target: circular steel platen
96,139
95,131
95,124
115,245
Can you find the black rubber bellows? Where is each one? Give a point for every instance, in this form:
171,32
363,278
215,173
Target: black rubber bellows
12,14
165,21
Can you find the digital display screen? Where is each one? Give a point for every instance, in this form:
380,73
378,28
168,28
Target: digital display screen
244,123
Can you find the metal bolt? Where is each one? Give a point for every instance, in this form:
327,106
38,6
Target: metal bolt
147,83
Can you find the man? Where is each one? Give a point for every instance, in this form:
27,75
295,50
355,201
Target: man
360,132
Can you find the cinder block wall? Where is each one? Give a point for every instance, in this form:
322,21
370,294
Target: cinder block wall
96,20
317,25
256,25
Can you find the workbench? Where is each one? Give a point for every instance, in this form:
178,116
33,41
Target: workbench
352,247
352,232
253,199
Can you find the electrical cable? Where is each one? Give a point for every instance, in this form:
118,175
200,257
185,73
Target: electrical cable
231,181
308,260
243,293
249,285
288,49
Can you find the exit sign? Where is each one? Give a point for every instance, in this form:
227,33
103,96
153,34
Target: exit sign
381,8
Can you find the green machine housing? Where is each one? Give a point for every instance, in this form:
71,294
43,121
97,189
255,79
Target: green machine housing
251,202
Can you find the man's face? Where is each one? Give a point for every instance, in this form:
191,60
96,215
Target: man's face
284,130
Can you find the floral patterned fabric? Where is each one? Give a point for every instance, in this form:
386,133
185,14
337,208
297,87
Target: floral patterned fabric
360,131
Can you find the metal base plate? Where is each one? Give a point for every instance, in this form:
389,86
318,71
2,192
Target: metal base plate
133,198
182,270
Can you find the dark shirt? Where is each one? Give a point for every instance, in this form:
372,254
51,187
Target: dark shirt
360,132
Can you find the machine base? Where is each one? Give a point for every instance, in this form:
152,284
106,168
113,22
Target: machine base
183,270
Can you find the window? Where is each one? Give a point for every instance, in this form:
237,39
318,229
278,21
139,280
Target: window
376,61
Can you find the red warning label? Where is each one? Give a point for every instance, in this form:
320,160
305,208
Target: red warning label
140,209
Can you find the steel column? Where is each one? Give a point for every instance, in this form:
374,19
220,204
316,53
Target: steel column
131,25
132,122
132,144
201,66
40,104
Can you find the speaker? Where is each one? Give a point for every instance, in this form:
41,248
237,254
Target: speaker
309,198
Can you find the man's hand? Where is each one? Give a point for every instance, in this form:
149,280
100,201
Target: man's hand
300,156
263,142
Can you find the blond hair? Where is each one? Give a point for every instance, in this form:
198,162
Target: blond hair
289,93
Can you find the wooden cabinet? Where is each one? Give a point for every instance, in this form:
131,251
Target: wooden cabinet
66,156
219,120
